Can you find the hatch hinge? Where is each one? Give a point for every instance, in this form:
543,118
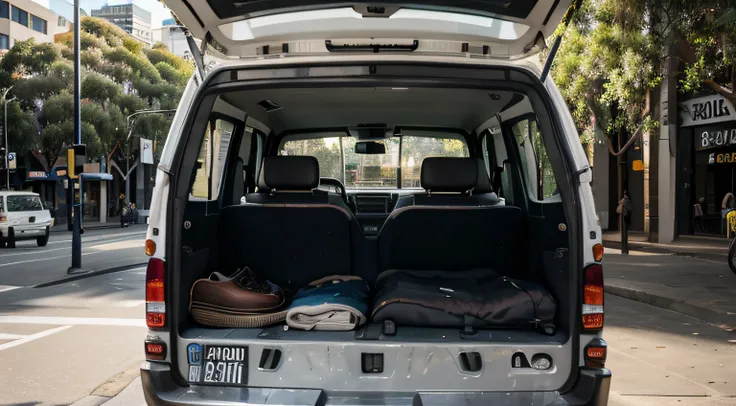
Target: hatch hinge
196,53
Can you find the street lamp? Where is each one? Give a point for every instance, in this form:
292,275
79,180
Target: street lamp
5,130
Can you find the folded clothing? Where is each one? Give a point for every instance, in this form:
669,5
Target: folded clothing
240,300
476,298
335,303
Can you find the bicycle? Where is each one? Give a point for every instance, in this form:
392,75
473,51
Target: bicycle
731,221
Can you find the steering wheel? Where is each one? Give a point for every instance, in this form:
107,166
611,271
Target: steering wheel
339,187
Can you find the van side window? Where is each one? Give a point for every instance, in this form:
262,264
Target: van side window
210,164
536,166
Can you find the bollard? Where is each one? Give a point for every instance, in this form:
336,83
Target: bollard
624,235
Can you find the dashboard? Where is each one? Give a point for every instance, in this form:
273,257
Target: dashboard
372,208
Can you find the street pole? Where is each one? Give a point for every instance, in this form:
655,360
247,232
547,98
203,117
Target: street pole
5,131
77,206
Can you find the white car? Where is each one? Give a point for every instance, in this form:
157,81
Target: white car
352,97
23,217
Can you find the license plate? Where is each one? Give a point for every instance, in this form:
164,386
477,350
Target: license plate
217,365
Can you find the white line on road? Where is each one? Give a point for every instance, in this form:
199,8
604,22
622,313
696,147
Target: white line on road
8,288
32,337
130,303
4,336
75,321
28,261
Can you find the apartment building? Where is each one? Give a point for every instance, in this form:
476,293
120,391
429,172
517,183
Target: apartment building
24,19
135,20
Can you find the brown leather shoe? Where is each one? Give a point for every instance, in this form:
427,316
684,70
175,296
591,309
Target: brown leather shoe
241,300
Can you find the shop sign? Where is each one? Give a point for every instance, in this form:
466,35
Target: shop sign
38,174
706,110
716,136
722,158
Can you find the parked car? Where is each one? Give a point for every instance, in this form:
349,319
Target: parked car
305,97
23,217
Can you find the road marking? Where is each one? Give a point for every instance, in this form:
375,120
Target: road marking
74,321
33,252
4,336
8,288
28,261
119,245
32,337
130,303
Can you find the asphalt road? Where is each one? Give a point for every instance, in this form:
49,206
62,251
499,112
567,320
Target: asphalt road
28,265
62,343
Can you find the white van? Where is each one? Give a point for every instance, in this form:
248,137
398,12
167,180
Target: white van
23,217
432,141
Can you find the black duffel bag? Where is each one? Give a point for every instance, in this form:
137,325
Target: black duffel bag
465,299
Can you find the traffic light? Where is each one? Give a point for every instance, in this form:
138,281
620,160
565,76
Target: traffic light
76,156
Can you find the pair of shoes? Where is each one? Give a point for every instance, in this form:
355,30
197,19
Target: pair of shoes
240,301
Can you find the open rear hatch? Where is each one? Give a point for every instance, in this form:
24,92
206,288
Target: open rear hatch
508,29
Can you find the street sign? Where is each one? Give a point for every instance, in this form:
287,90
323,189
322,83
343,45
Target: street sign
12,163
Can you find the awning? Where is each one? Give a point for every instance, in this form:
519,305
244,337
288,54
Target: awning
95,176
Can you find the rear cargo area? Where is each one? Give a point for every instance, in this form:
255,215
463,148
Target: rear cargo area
461,284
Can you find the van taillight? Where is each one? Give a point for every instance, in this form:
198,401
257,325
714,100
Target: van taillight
593,297
155,295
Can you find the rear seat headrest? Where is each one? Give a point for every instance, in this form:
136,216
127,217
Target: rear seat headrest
449,174
291,172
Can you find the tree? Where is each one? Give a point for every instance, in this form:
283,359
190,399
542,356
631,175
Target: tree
118,79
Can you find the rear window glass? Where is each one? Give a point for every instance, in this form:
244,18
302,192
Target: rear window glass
24,203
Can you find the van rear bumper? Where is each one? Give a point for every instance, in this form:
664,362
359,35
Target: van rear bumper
160,388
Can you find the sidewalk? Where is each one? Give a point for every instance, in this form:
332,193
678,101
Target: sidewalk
699,246
112,222
690,276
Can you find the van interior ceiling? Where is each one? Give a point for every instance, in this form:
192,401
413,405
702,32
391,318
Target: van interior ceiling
473,113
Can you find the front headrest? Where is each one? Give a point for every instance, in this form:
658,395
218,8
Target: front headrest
449,174
291,172
484,183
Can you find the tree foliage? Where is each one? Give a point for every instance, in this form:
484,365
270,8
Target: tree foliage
612,56
118,78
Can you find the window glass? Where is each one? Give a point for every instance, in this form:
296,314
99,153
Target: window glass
360,170
4,42
326,150
4,9
24,203
38,24
416,148
210,164
536,166
20,16
371,171
375,170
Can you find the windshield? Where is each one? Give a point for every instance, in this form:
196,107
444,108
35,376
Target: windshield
24,203
337,158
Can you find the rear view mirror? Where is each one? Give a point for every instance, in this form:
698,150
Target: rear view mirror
370,147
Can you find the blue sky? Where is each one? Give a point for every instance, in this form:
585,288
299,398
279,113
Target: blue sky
65,7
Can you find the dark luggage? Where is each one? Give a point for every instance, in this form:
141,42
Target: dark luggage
477,298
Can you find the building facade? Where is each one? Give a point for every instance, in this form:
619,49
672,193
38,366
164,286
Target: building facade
133,19
24,19
171,35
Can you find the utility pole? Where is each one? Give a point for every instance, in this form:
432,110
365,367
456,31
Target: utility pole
5,131
77,205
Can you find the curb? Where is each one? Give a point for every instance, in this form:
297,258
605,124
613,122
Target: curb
89,275
634,246
110,388
701,313
98,227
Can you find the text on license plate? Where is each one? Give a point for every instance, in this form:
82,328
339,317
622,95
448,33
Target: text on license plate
217,365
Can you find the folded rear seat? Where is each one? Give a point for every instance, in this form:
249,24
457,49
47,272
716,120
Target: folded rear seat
449,257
